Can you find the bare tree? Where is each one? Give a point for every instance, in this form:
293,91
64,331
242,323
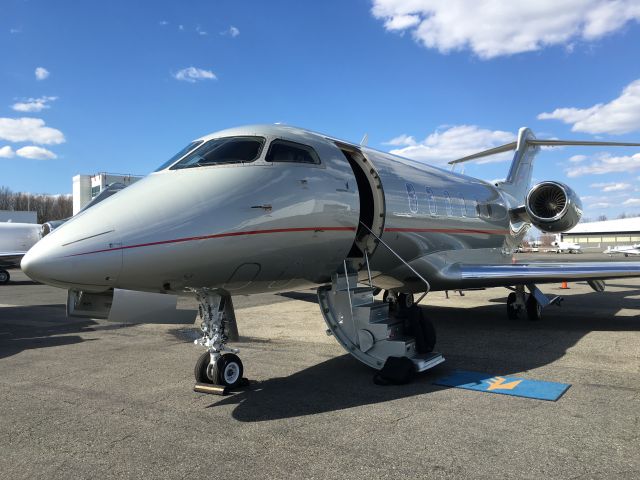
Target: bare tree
48,207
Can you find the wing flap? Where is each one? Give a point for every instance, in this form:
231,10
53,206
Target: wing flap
505,275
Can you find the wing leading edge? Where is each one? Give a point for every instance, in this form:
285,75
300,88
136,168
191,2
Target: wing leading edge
507,275
10,259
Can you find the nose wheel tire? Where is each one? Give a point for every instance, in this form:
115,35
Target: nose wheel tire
4,276
200,370
226,371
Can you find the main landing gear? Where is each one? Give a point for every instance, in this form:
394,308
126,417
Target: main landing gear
214,366
4,276
532,303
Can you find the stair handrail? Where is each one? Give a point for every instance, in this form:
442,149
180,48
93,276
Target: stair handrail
366,259
398,257
346,277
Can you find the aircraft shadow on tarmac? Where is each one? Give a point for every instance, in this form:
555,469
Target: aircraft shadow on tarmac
41,326
479,338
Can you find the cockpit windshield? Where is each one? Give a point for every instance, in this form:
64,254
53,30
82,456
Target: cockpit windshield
223,151
180,154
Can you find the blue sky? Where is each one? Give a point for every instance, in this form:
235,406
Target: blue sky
123,85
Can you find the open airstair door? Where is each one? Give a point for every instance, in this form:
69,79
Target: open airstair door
363,325
372,207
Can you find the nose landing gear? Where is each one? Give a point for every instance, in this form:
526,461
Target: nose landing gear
214,366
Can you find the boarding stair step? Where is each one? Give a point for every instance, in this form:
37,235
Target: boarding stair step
425,361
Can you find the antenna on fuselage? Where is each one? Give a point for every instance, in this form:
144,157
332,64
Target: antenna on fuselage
365,140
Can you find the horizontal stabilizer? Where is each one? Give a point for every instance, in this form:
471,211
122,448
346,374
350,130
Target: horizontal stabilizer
533,142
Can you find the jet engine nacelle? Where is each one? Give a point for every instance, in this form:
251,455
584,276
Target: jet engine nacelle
553,207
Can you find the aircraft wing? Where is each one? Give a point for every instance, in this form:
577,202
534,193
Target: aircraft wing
523,273
10,259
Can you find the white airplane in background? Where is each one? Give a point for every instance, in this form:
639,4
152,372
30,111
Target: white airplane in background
15,240
272,208
623,250
568,247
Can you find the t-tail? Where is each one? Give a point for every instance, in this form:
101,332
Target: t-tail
518,182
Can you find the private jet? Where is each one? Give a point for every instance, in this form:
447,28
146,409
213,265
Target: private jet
15,240
273,208
625,250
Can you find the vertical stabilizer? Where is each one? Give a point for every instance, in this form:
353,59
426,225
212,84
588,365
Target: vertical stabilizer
519,178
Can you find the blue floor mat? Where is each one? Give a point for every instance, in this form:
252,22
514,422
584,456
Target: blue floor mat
515,386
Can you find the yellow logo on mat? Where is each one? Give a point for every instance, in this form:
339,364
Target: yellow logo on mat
497,383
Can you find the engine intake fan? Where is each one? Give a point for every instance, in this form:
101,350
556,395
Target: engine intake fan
553,207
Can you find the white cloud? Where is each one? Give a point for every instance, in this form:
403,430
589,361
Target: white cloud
612,186
605,163
452,142
193,74
163,23
33,104
35,153
600,205
621,115
15,30
41,73
29,130
632,202
577,158
6,152
401,141
200,31
491,28
180,27
232,31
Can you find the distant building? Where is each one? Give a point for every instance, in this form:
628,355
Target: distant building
18,216
600,235
87,187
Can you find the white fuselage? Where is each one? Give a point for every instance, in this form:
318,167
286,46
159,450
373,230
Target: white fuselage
263,225
15,240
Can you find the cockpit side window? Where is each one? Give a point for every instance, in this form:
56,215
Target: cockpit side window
220,151
291,152
180,154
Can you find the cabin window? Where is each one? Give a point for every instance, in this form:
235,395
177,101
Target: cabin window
180,154
291,152
220,151
460,211
472,207
447,204
431,201
412,197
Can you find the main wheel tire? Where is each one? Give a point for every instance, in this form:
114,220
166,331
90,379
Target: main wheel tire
4,276
513,311
229,370
406,300
423,330
534,309
200,370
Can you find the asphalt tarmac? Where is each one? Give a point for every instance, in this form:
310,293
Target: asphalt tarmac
93,399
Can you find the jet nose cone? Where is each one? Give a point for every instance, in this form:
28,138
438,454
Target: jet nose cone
75,258
31,264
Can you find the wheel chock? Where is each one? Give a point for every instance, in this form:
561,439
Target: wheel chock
211,389
218,389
